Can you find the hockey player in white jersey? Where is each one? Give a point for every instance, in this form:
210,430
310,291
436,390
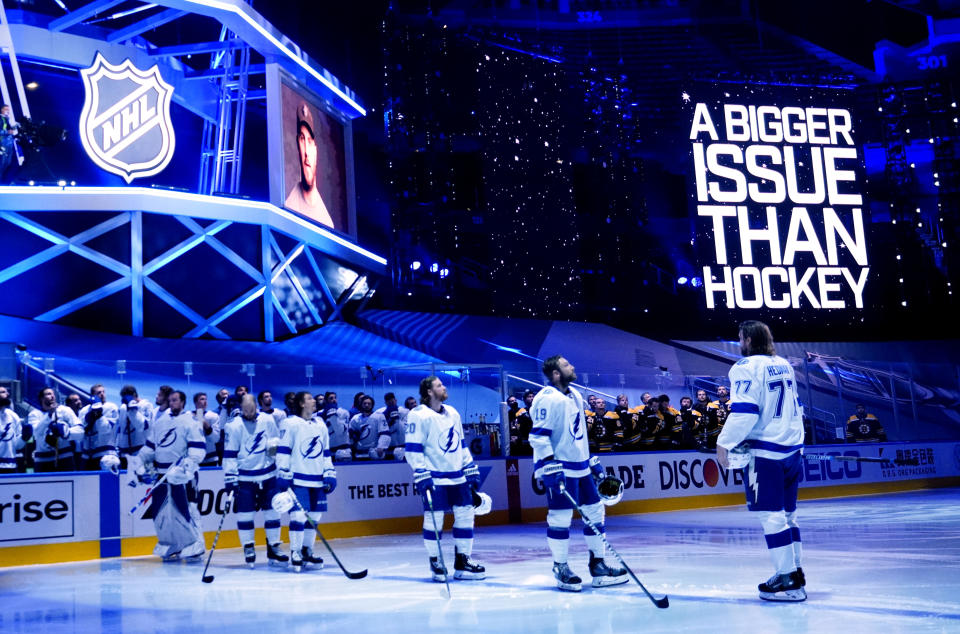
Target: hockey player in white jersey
392,441
11,435
442,464
338,426
561,454
305,467
57,431
365,430
209,424
99,420
134,421
249,471
764,436
265,401
175,447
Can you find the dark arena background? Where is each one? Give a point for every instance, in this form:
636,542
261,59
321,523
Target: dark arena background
276,197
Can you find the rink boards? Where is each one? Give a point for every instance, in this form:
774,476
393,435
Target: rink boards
79,516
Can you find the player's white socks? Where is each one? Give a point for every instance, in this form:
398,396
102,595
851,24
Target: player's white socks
297,520
245,528
429,535
594,513
795,535
271,526
463,529
779,537
558,533
309,534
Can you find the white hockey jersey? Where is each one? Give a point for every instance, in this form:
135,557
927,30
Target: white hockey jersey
134,421
11,438
764,408
365,432
560,430
435,443
338,426
171,438
100,435
394,435
278,415
304,452
211,439
64,446
245,445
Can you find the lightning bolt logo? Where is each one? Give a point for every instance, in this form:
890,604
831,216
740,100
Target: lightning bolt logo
314,449
576,430
168,438
255,445
754,484
451,443
7,433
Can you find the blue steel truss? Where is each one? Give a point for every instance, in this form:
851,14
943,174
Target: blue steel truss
305,276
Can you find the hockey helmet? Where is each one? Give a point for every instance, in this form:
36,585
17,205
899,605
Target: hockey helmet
282,502
610,489
482,503
739,457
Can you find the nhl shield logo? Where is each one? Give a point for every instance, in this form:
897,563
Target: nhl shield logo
125,123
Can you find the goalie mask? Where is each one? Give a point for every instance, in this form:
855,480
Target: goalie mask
610,489
482,503
739,457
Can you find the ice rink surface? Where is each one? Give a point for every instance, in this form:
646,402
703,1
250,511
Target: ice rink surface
886,563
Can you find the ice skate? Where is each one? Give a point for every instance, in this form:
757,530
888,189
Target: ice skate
249,554
275,556
799,577
466,568
566,580
603,575
296,561
310,558
785,587
438,571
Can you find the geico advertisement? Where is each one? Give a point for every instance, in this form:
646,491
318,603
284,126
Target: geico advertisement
364,491
34,510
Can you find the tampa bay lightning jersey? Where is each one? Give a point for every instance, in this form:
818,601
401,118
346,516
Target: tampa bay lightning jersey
11,440
100,433
764,408
244,448
435,443
560,430
304,452
171,438
338,426
132,425
63,447
365,431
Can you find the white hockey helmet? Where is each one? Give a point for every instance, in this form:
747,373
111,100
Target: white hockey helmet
485,503
739,457
282,502
610,489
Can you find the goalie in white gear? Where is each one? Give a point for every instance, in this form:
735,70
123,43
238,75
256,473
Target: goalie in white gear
303,459
765,416
442,464
175,443
249,471
562,456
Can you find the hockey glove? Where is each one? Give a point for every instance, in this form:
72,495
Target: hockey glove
596,469
329,481
422,481
552,475
26,432
283,484
472,473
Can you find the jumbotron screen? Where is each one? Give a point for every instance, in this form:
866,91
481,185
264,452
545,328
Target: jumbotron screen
313,159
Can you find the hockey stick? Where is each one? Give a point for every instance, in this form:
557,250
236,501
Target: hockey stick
660,603
436,532
350,575
149,493
209,578
900,462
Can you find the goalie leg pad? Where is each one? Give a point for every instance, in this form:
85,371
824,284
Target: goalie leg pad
174,522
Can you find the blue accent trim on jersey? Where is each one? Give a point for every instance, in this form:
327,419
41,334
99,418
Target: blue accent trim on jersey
414,447
795,533
257,472
309,477
229,453
772,446
161,465
196,444
100,448
744,408
566,464
326,453
558,533
245,526
271,524
130,450
463,443
447,474
285,450
151,445
777,540
540,431
462,533
12,461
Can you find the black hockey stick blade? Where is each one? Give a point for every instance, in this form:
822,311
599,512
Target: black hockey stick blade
207,579
360,574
